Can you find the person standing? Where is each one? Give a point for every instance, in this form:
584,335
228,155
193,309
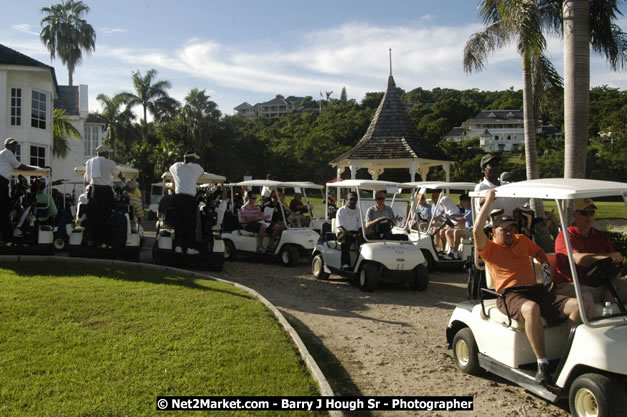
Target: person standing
99,172
8,163
185,175
491,168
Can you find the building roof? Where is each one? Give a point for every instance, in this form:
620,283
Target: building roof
243,106
487,116
10,56
277,100
68,100
392,134
456,131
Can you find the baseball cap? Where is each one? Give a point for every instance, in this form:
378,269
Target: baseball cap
9,141
191,154
582,203
103,148
502,221
487,158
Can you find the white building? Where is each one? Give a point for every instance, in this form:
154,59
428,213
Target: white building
31,92
277,107
498,130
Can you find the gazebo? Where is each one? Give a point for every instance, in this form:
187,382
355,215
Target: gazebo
392,141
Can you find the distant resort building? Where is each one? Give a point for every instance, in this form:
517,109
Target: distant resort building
277,107
498,130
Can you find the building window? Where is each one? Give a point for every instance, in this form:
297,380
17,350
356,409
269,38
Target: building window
509,137
38,156
38,115
18,152
496,138
501,147
16,107
91,140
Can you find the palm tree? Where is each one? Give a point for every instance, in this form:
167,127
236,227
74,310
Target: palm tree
148,94
61,130
117,116
518,21
584,23
66,34
199,115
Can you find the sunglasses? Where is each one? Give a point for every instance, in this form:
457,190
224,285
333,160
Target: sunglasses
380,198
586,212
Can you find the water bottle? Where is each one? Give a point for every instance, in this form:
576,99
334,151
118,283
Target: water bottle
607,309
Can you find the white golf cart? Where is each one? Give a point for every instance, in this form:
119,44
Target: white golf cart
295,243
314,200
210,245
589,361
32,236
127,239
156,192
421,231
373,261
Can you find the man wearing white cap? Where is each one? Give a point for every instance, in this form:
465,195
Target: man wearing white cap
185,175
99,172
8,162
589,246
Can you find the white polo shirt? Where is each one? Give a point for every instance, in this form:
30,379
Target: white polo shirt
8,162
185,177
100,171
507,204
349,219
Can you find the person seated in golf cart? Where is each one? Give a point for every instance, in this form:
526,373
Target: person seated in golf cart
298,211
506,257
349,228
252,219
442,208
589,246
185,175
380,219
462,227
135,202
277,225
44,200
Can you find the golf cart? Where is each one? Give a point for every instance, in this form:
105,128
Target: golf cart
311,194
588,361
209,244
126,239
156,192
33,232
374,260
294,244
421,231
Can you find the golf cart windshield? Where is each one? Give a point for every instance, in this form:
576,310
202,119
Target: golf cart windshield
610,197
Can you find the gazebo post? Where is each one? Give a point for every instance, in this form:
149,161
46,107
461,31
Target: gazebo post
413,167
447,171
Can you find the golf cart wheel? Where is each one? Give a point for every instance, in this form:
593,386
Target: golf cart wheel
465,352
429,259
289,255
595,395
420,280
368,277
230,254
317,267
60,244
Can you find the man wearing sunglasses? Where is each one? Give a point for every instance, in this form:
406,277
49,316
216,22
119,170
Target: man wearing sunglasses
379,218
349,228
589,245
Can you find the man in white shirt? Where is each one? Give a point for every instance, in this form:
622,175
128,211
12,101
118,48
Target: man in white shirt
99,172
185,175
8,163
349,227
491,168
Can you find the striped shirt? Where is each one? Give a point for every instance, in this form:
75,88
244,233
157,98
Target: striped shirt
248,210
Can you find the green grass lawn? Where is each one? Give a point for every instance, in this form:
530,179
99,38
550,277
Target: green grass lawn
78,343
605,209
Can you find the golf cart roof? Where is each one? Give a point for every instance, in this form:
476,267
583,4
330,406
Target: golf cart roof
205,178
441,185
364,184
303,184
39,172
127,171
560,189
260,183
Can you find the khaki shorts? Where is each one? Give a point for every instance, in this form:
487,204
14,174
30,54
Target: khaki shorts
551,304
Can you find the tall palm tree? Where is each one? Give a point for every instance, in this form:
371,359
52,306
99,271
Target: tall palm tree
519,22
117,116
199,114
584,23
148,93
66,34
62,129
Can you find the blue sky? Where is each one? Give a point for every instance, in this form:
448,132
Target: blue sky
252,50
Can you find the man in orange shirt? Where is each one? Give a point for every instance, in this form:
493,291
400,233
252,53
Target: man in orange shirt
507,259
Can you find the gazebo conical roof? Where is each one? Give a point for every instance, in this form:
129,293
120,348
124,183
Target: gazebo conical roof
392,141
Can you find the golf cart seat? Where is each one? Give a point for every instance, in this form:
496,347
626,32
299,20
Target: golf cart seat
488,308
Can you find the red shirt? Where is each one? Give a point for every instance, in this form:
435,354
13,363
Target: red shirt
510,266
596,242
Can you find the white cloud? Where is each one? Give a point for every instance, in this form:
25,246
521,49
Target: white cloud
25,28
109,31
